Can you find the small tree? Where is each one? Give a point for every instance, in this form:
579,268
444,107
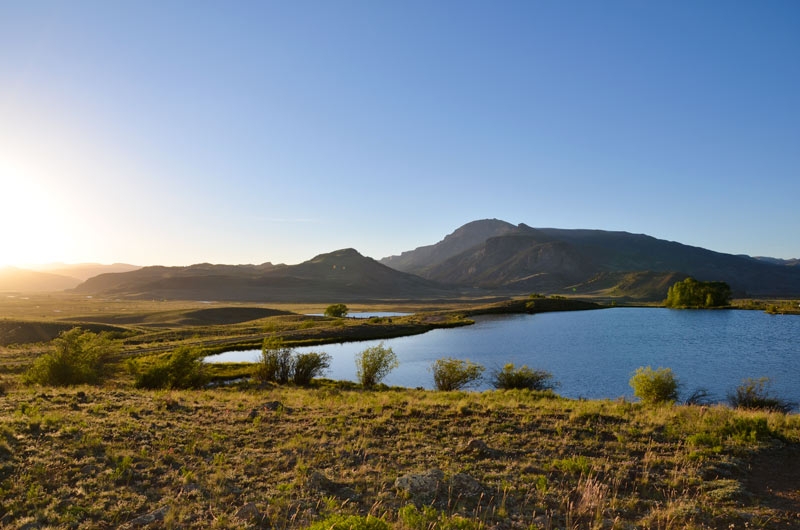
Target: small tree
523,377
375,363
455,374
336,311
78,357
654,386
755,394
276,364
309,365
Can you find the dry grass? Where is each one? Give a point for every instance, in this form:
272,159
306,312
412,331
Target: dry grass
281,457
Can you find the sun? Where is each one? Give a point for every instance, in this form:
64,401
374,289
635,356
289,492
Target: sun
34,228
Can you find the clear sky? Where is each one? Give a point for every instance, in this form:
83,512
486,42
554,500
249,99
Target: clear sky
179,132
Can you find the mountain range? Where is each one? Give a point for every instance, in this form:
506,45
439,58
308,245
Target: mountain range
486,257
496,255
340,275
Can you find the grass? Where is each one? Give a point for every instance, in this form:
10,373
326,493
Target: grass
105,456
251,455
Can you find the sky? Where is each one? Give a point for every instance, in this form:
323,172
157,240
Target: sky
180,132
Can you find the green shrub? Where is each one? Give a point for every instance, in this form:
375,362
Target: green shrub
455,374
428,517
336,310
523,377
183,368
307,366
276,364
375,363
654,386
78,357
350,522
755,394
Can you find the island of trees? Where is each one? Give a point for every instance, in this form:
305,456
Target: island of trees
693,293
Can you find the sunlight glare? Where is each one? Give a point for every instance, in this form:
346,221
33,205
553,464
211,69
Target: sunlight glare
35,228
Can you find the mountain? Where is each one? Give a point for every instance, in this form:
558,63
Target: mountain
524,259
13,279
777,261
343,275
84,271
464,238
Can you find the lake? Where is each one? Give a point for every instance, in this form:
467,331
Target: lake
592,354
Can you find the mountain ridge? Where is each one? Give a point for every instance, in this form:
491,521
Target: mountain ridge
554,260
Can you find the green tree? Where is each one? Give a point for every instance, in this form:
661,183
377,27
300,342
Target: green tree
693,293
654,386
78,357
455,374
375,363
336,311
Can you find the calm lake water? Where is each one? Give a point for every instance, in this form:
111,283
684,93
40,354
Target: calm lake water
594,353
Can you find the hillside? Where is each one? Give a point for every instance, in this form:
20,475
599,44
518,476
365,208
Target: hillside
524,259
342,275
54,277
13,279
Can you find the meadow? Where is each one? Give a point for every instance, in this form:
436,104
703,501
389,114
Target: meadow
260,455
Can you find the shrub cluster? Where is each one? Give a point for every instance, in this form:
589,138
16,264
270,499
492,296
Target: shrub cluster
336,311
755,394
279,364
183,368
455,374
654,386
78,357
523,377
375,363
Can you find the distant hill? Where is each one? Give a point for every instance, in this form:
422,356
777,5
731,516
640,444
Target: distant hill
84,271
54,277
343,275
525,259
13,279
777,261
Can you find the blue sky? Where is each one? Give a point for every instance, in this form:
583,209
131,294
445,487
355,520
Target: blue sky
178,132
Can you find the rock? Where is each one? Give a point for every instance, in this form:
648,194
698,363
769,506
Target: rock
248,512
433,487
464,486
320,482
421,487
152,517
479,448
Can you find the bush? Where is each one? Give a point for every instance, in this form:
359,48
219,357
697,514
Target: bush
276,364
455,374
307,366
78,357
350,522
279,364
183,368
511,377
654,386
336,310
375,363
755,394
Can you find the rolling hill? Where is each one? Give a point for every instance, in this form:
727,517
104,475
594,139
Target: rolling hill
524,259
54,277
343,275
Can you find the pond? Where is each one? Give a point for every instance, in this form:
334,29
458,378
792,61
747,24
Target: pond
592,354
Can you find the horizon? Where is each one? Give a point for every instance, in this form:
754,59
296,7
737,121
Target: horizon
249,133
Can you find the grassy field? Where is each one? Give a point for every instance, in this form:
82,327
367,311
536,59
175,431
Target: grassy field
268,456
284,457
